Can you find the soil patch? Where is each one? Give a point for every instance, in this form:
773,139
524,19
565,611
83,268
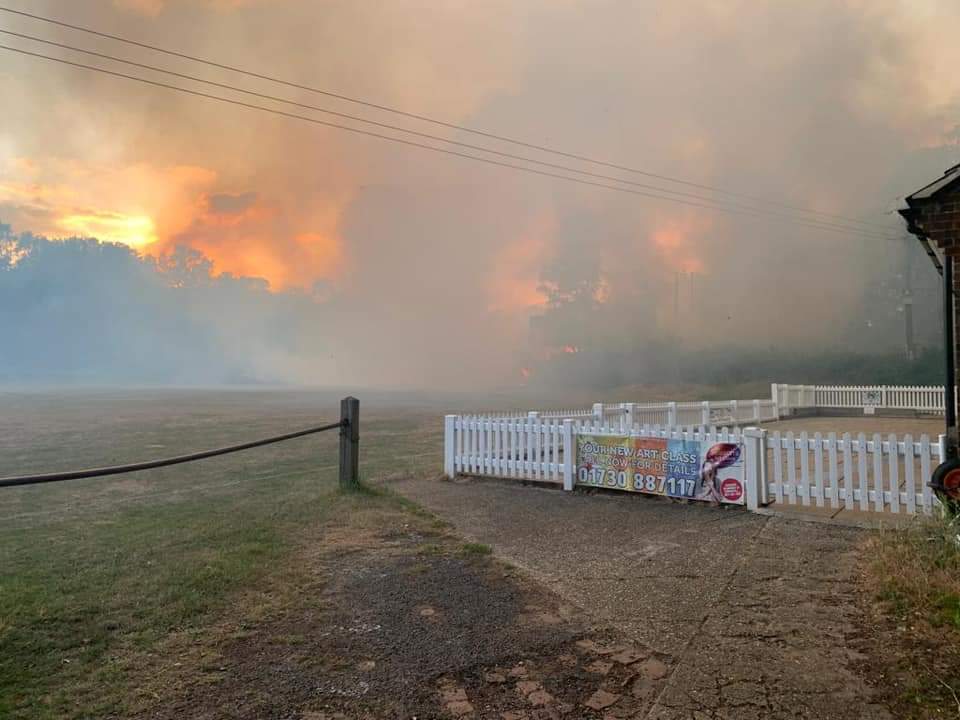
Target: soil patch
395,618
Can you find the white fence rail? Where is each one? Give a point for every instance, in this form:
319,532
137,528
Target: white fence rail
879,474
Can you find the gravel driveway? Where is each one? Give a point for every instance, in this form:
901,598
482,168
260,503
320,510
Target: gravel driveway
756,615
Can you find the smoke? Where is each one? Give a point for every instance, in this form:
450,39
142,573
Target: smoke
390,265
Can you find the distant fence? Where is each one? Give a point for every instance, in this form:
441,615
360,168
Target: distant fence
625,416
876,474
785,400
921,399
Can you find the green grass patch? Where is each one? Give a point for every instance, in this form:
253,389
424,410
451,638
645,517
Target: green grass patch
470,548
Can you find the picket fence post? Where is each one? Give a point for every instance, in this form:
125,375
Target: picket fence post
671,414
449,425
755,475
598,411
705,413
569,455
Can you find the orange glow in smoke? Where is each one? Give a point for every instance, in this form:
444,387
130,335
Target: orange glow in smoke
249,235
515,283
137,231
674,241
153,209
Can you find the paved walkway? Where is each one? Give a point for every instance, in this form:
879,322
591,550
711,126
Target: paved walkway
757,615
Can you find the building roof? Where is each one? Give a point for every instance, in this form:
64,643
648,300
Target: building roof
928,192
924,197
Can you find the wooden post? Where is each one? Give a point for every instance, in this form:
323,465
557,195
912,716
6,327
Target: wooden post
350,443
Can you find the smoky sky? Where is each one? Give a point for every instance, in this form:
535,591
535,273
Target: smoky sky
231,204
401,266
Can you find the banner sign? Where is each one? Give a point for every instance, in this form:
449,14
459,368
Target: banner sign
661,466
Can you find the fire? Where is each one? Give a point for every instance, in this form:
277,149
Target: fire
525,373
571,349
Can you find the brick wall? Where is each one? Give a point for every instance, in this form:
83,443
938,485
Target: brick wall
941,223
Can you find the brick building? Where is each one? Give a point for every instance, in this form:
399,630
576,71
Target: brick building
933,215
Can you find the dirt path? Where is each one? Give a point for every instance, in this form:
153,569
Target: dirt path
753,617
387,615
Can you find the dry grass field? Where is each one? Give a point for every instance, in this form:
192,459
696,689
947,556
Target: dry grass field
226,587
96,574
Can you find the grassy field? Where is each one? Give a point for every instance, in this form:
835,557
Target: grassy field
95,574
106,584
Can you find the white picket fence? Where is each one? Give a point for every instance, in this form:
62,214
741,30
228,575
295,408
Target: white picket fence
784,401
670,414
855,473
524,448
923,399
882,474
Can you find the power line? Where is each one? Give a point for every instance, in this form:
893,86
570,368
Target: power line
755,214
424,118
428,136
